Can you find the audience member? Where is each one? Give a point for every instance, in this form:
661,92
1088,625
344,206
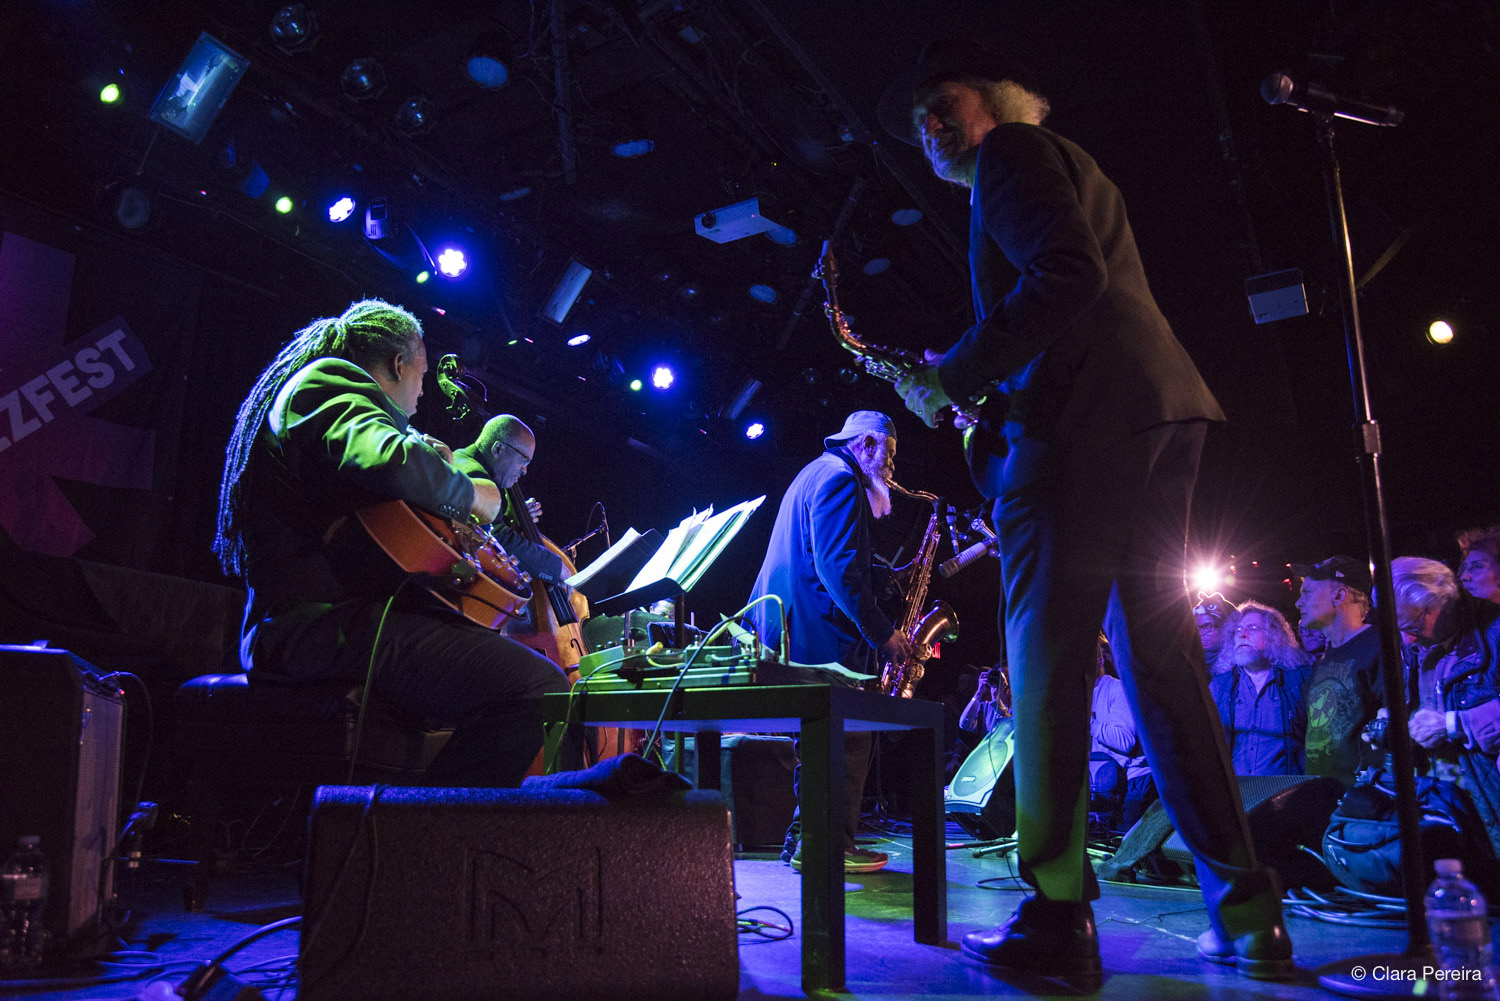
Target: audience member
1260,687
991,701
1344,692
1114,741
1210,613
1313,640
1452,677
1479,572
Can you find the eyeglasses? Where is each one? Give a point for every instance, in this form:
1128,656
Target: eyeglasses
526,459
1250,627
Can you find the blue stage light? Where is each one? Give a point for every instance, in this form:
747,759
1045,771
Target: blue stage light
452,262
763,293
636,147
755,430
487,71
662,377
578,339
341,209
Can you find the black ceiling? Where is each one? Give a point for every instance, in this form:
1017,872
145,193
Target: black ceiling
776,99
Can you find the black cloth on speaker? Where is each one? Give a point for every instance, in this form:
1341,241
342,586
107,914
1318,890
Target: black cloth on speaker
623,776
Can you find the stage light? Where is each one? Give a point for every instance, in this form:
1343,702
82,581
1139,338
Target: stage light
634,148
414,114
134,206
422,276
781,236
110,94
763,293
635,385
578,339
1207,577
485,63
363,80
1440,332
283,205
876,265
906,217
755,430
565,292
515,193
341,209
662,377
294,28
452,262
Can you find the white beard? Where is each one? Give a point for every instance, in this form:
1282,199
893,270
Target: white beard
879,493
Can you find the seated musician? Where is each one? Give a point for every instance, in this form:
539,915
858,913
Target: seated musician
322,434
501,455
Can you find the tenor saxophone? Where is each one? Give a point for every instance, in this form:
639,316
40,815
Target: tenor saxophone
923,629
879,360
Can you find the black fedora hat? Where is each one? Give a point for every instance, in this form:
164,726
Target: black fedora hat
949,58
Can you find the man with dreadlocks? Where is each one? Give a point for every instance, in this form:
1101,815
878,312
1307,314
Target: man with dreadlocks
323,433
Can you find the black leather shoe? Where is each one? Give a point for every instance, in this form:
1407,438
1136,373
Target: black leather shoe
1259,955
1044,938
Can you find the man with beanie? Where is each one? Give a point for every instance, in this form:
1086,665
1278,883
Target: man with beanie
1091,468
818,565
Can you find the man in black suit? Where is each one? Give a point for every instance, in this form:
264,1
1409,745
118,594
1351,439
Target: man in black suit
1091,469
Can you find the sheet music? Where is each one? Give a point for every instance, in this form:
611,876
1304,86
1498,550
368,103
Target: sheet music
587,573
659,566
704,546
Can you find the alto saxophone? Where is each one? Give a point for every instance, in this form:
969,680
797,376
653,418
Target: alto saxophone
938,624
888,363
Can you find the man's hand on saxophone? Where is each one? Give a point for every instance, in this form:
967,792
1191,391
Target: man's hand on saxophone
922,391
897,649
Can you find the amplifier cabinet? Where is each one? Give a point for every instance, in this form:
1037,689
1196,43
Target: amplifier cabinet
61,731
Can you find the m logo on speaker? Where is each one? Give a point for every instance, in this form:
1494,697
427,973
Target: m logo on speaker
512,903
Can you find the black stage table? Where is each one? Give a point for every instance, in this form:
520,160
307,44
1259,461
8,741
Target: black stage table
820,714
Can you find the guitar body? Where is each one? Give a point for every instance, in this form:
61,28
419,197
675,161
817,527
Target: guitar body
485,585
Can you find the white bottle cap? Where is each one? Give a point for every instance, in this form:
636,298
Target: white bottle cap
1449,867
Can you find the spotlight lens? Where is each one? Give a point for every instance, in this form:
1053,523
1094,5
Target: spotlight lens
755,430
283,205
487,71
906,217
422,276
635,385
452,263
763,293
635,147
662,377
110,94
341,209
1441,332
877,265
1207,578
578,339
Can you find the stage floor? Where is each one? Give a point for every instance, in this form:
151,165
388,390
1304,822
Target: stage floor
1146,933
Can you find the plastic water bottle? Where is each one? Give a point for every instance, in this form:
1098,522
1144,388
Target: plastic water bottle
1459,920
23,901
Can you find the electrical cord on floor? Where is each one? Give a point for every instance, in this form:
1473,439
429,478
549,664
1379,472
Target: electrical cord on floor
64,983
764,929
203,977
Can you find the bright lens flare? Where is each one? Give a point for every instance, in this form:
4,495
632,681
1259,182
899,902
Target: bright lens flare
341,209
452,262
755,430
578,339
1207,578
662,377
1441,332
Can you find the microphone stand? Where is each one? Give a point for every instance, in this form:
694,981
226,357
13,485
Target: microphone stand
1355,977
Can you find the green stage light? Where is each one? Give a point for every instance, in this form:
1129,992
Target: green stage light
283,205
422,276
635,385
110,94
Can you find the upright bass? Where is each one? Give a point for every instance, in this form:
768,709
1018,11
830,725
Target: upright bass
551,623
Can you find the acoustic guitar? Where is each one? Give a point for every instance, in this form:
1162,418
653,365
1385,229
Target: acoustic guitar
473,574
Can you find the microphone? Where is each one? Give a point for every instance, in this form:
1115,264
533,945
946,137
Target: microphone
1278,88
950,567
952,516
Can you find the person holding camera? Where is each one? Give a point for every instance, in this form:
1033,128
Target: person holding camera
991,701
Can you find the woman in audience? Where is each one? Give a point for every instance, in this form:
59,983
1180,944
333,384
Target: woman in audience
1479,573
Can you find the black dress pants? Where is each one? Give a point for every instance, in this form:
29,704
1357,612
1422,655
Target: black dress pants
1102,538
443,667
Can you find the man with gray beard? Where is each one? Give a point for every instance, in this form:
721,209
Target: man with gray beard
818,565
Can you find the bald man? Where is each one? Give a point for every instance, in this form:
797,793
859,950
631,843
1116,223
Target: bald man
501,456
